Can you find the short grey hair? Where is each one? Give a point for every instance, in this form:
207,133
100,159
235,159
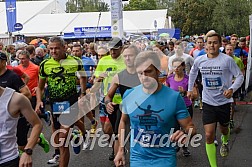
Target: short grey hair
57,39
24,52
144,56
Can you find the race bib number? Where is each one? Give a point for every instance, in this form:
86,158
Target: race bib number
61,107
213,83
149,138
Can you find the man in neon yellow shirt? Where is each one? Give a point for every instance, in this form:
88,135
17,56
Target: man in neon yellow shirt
107,67
229,49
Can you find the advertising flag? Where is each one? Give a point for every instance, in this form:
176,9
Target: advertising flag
11,14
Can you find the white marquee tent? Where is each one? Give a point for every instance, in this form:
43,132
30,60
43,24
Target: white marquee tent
58,24
26,11
48,18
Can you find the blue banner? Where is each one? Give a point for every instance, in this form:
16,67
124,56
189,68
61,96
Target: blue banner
11,14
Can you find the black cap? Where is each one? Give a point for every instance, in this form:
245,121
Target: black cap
3,56
162,43
115,43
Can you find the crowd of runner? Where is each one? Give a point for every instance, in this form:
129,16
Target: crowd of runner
145,88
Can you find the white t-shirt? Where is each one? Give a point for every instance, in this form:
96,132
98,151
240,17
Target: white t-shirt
188,61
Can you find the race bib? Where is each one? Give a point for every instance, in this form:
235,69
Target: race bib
150,138
213,83
61,107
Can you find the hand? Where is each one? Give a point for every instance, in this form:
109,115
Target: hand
228,93
110,107
103,75
119,159
25,160
189,94
39,105
178,136
181,89
34,90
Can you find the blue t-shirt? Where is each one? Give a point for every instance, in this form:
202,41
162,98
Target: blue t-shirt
202,52
87,63
238,52
153,115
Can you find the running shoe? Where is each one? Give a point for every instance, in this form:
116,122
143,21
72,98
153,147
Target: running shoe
44,143
86,143
54,160
112,156
196,104
186,152
216,142
75,141
231,124
20,152
48,118
93,127
224,150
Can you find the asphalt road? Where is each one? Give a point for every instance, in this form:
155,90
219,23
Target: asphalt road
240,147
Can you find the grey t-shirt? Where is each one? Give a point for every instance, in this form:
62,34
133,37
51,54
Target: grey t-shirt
217,75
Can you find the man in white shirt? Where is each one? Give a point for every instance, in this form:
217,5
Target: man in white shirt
179,52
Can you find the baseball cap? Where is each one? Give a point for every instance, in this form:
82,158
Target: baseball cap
162,43
3,56
115,43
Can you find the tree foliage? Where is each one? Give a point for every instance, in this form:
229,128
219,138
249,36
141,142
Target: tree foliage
73,6
224,16
141,5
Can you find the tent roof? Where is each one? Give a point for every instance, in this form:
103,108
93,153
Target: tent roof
26,10
57,24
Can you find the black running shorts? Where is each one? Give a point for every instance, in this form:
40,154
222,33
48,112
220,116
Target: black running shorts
22,131
212,114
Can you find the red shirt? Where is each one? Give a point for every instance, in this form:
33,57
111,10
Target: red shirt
246,49
16,70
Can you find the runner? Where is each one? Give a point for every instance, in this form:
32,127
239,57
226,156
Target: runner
179,83
123,81
217,71
59,71
107,67
9,119
229,51
152,109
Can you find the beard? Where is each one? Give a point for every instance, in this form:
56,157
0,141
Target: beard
151,84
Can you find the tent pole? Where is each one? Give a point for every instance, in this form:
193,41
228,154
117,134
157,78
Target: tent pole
99,18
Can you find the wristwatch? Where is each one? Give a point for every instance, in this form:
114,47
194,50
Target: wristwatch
28,151
106,102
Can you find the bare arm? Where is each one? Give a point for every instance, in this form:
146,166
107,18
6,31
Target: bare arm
26,78
21,104
39,94
111,93
120,157
187,126
83,83
26,92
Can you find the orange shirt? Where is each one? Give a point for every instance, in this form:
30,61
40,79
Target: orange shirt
33,72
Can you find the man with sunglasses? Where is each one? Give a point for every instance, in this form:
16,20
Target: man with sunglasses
107,67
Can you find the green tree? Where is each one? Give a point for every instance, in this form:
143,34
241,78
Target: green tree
165,4
86,6
189,16
232,16
141,5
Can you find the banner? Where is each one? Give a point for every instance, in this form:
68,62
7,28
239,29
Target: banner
116,18
11,14
248,82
